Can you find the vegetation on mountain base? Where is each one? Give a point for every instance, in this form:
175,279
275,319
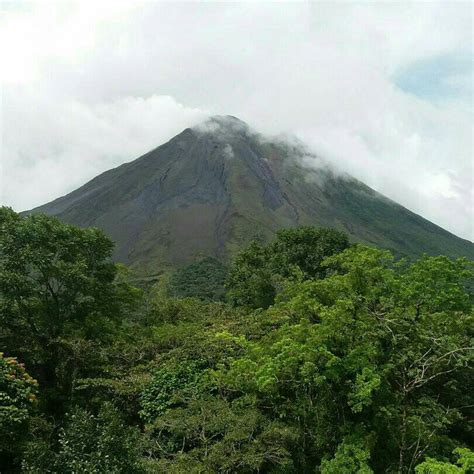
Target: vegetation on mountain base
355,363
203,279
259,269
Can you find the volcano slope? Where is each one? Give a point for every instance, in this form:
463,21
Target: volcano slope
212,189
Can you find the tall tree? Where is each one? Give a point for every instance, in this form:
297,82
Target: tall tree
57,288
256,272
18,397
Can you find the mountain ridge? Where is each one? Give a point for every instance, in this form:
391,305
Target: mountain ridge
214,187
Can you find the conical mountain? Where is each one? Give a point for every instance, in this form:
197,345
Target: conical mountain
213,188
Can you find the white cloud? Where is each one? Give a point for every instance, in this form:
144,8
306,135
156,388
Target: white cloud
74,141
322,70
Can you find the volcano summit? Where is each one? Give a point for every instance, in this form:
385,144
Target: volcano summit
213,188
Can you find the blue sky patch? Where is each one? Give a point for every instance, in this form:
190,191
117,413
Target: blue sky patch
438,78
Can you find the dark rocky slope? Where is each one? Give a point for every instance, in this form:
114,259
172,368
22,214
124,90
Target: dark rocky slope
212,189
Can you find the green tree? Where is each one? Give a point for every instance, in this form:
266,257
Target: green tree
379,350
349,457
464,464
18,397
305,248
250,281
256,273
203,280
332,358
57,286
170,387
91,443
211,434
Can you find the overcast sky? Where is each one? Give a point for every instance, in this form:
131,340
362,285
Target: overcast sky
382,89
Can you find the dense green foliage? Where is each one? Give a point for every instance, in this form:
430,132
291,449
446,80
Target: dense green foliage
18,391
464,463
347,362
58,298
203,280
258,270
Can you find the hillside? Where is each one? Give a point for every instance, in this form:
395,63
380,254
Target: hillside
212,189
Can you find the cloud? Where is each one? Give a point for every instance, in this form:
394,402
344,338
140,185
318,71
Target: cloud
228,152
75,141
329,72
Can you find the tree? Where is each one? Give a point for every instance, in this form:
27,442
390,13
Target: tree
305,248
379,350
353,362
257,271
213,435
349,457
57,285
203,280
464,464
91,443
18,397
250,280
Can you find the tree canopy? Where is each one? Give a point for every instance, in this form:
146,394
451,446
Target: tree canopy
58,296
257,271
203,279
324,357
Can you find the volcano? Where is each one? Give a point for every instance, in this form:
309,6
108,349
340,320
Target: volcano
213,188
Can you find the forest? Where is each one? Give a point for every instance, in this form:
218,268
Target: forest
308,354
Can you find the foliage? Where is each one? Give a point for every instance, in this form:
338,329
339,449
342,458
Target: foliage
306,248
464,464
18,394
250,280
18,397
257,270
349,457
203,280
94,444
213,435
349,361
168,388
57,292
382,359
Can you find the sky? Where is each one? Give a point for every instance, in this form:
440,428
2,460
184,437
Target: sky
381,89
